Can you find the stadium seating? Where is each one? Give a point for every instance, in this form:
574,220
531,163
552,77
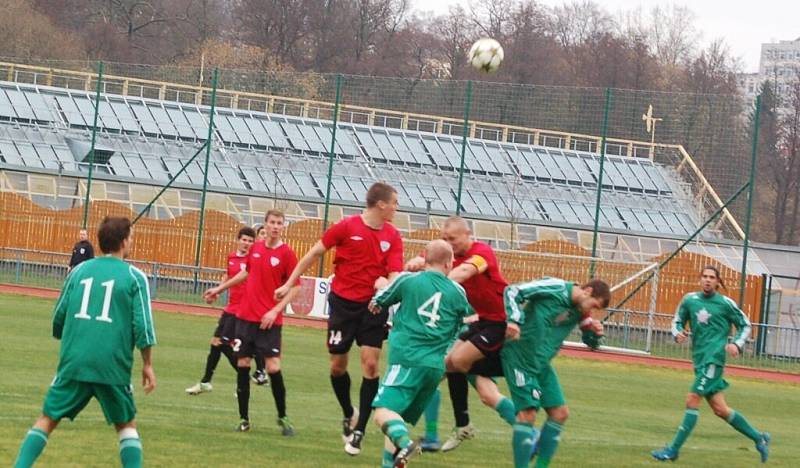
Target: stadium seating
142,139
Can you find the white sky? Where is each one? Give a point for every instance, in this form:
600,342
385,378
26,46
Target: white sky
744,24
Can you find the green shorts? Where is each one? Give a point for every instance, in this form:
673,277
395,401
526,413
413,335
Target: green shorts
708,380
407,390
529,390
67,398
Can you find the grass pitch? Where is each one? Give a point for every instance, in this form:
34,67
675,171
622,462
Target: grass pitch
618,412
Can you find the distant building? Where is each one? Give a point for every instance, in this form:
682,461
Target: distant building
779,63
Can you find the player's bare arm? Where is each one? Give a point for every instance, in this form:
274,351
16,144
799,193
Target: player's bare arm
211,294
269,318
415,264
463,272
308,259
148,375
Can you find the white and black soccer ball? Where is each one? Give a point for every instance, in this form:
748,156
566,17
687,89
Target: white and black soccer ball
486,55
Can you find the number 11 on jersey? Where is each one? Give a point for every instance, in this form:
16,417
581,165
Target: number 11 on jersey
87,291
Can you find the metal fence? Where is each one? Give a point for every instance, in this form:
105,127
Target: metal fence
770,346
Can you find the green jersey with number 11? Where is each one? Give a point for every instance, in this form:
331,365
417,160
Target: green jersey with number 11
103,311
432,310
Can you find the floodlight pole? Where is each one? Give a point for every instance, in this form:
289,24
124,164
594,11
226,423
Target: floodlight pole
600,182
753,168
91,148
331,154
198,248
465,135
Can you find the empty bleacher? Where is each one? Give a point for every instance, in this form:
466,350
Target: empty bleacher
142,139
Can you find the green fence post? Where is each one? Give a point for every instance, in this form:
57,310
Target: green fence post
331,154
18,269
464,136
91,148
600,182
750,190
198,248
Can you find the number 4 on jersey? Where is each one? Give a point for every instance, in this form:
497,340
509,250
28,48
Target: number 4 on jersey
430,309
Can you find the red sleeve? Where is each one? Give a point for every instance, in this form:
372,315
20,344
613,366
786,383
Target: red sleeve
394,262
290,260
335,234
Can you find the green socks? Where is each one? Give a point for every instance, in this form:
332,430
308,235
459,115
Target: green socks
32,446
130,448
397,432
548,442
505,408
432,416
740,424
388,459
689,421
521,444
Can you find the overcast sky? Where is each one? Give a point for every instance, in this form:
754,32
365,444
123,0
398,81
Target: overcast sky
744,24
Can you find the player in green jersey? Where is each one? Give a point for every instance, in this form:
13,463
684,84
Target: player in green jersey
541,314
711,315
102,313
432,310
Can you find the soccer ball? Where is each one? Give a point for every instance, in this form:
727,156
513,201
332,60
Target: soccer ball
486,55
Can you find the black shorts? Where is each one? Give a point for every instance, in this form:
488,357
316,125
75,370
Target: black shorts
348,321
250,338
226,327
487,336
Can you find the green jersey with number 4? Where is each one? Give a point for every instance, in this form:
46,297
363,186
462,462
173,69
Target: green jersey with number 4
103,311
544,311
432,310
711,318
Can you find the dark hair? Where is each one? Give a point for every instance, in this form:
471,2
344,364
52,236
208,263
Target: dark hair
379,191
112,231
246,231
716,272
276,213
600,290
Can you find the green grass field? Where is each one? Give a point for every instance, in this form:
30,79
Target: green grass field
618,413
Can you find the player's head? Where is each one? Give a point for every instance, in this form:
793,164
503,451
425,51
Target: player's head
83,235
245,239
592,295
456,232
710,279
439,255
382,197
274,224
261,231
114,235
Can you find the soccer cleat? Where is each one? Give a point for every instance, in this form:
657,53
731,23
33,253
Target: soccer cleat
763,446
403,455
459,435
260,378
353,446
665,454
348,424
198,388
430,445
243,426
286,426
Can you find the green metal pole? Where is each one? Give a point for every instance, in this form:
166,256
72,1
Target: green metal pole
198,249
465,135
91,149
748,215
331,154
169,184
680,247
600,182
